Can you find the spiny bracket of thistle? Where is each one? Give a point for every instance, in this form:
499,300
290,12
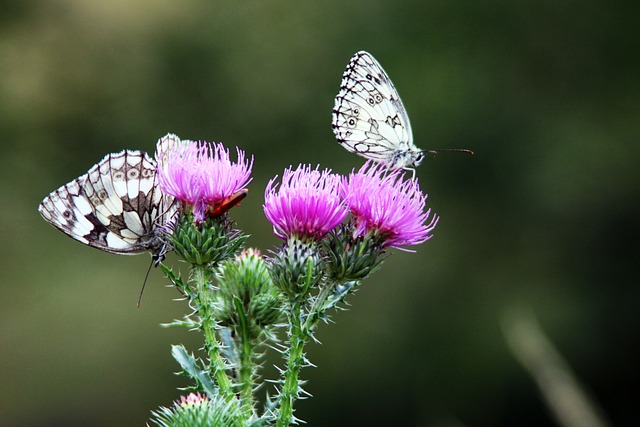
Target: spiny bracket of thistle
228,349
176,280
198,410
185,290
352,258
207,242
247,300
297,267
191,367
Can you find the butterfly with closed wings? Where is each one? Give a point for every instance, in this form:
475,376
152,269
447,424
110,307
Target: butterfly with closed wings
370,120
117,206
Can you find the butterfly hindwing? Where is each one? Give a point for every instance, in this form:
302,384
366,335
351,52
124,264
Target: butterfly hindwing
369,118
116,206
66,209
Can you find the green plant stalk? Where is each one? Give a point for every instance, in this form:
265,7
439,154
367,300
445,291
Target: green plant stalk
247,368
300,331
298,337
202,277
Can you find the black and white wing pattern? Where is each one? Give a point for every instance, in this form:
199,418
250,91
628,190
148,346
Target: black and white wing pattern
167,144
369,118
116,206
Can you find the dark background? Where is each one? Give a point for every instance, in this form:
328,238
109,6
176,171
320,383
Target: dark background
543,217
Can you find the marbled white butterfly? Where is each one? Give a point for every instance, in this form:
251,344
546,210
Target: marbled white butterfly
116,206
369,118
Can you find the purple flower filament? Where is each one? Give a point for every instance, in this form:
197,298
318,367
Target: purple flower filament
201,174
382,202
306,203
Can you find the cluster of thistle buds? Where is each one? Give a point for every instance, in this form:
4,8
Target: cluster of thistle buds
336,231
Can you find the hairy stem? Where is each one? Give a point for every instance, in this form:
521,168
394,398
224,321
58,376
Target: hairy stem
202,280
247,368
301,327
290,389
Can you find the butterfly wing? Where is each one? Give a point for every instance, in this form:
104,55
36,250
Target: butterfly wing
116,206
166,144
369,118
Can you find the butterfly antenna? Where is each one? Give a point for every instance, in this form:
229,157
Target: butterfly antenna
145,282
453,150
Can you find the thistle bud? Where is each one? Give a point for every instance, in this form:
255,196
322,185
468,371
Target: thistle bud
352,258
297,267
245,284
198,410
207,242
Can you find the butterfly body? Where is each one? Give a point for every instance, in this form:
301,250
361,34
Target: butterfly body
116,206
369,118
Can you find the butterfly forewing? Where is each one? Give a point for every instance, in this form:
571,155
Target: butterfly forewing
116,206
369,118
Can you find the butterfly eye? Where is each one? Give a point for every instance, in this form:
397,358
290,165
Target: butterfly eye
419,159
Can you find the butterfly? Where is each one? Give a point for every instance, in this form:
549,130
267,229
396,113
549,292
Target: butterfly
117,206
369,118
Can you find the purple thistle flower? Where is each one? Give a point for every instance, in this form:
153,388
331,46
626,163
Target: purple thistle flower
201,174
306,204
382,202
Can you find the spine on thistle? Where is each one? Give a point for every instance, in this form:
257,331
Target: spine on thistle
297,267
208,242
352,258
245,280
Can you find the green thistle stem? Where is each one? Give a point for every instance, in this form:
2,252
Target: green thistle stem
301,328
298,337
202,278
247,368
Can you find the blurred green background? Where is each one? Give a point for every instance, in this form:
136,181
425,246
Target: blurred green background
544,216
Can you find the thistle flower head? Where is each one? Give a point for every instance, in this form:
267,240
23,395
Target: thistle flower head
199,410
383,203
201,174
192,399
306,203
